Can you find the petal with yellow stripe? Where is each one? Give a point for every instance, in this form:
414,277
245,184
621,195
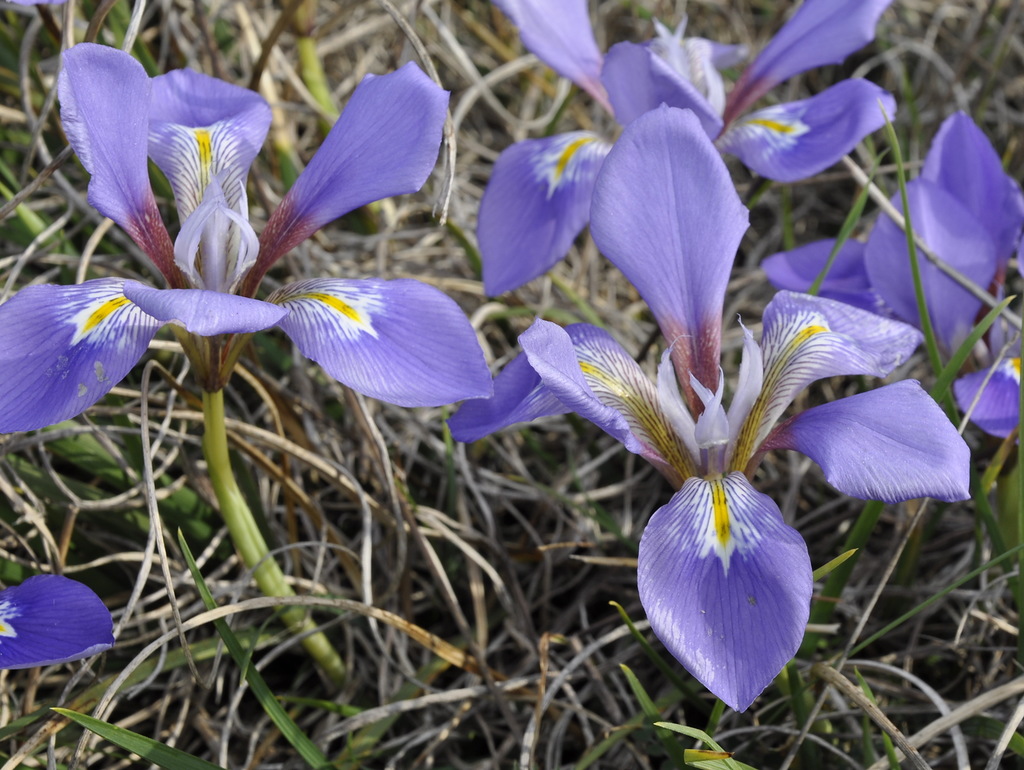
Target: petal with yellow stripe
726,585
996,408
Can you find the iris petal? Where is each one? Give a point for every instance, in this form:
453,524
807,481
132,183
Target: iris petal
997,410
400,341
204,312
892,444
795,140
847,280
536,203
201,128
51,619
64,348
726,585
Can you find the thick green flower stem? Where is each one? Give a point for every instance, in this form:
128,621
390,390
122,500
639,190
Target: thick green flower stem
249,540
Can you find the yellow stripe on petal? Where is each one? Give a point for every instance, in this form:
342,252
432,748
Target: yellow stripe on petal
91,320
204,149
720,507
337,305
566,156
558,163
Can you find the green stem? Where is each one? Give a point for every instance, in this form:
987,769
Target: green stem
249,540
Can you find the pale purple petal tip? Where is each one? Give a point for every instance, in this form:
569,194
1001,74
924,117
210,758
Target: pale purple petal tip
847,280
997,410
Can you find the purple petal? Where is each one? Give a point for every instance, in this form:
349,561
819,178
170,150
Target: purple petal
201,128
890,444
204,312
400,341
536,203
666,213
820,32
385,143
961,161
104,103
726,585
51,619
847,280
638,80
64,348
795,140
560,35
519,396
998,409
957,237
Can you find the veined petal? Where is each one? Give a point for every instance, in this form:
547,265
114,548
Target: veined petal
560,35
104,105
956,236
847,280
808,338
891,444
201,128
963,163
536,203
820,32
51,619
400,341
997,410
204,312
726,585
385,143
795,140
667,214
638,80
64,348
519,396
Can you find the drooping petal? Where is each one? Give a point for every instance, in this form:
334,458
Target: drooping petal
954,235
205,312
963,163
104,105
820,32
64,348
536,203
795,140
385,143
400,341
590,373
847,280
560,35
808,338
638,80
51,619
997,410
201,128
891,444
519,396
667,214
726,585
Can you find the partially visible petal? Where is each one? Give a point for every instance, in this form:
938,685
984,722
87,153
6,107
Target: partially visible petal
519,396
536,203
385,143
820,32
104,105
205,312
997,410
808,338
954,235
399,341
847,280
891,444
200,128
667,214
962,161
638,80
560,35
796,140
726,585
51,619
64,348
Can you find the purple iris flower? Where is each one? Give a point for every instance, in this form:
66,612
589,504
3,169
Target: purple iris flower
400,341
538,198
970,213
726,583
51,619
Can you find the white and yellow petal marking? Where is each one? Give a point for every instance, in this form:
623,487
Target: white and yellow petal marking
776,128
346,310
562,160
8,612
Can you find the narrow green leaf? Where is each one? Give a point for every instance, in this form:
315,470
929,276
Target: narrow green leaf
823,571
651,711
